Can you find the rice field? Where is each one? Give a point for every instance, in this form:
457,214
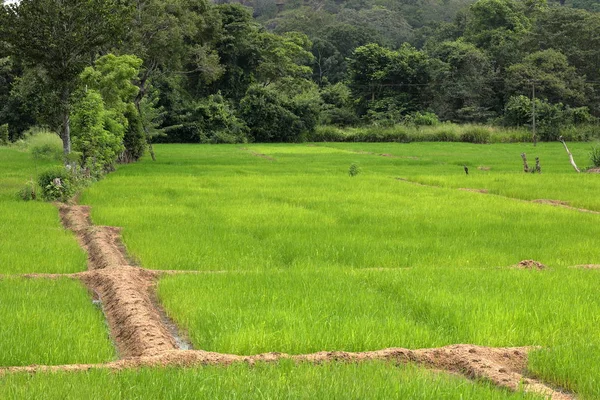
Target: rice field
284,380
307,258
32,239
50,322
298,256
223,208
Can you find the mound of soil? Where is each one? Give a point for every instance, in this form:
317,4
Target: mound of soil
594,170
135,324
530,264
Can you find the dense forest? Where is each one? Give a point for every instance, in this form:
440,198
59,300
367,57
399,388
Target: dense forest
118,75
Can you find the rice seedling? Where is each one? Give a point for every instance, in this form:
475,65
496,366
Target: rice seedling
285,380
50,322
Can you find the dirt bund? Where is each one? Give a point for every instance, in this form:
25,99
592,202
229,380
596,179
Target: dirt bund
563,204
502,366
126,291
135,324
145,337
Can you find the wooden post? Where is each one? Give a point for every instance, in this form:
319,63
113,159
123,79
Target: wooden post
525,166
569,153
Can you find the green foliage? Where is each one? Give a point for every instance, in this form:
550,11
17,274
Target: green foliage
134,139
112,76
554,79
56,184
58,38
96,133
4,134
476,135
272,115
28,192
422,119
353,170
44,144
595,155
338,106
550,118
217,122
462,77
388,83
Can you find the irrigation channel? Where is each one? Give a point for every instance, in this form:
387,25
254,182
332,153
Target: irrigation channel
144,335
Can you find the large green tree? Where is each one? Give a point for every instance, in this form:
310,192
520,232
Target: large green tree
62,37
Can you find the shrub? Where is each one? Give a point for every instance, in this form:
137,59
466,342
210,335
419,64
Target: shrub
475,134
56,184
134,139
214,121
28,191
354,169
327,133
275,116
43,144
595,155
422,119
4,134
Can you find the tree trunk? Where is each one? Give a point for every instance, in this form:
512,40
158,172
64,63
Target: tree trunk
137,102
66,123
571,160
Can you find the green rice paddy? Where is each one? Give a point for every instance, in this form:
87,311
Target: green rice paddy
301,257
31,236
50,322
285,380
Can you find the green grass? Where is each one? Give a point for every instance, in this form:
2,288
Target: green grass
297,234
285,380
50,322
31,236
442,165
212,208
308,311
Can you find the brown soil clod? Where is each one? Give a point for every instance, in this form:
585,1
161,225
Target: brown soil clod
530,264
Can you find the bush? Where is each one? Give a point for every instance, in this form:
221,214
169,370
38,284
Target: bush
134,139
43,144
275,116
595,156
216,122
4,134
327,133
475,134
422,119
28,191
56,184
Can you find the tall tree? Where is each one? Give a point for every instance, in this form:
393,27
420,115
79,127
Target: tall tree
62,37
